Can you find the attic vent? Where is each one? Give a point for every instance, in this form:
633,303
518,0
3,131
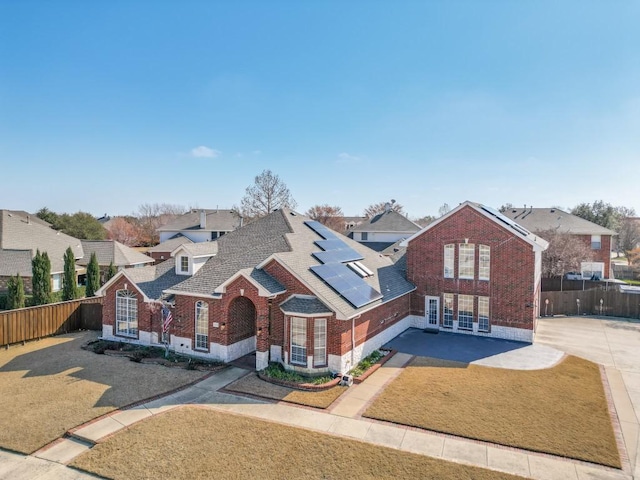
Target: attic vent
293,214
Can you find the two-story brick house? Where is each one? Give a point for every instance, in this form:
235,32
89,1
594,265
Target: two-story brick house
295,292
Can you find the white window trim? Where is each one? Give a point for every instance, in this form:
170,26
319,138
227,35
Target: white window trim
484,324
298,353
201,324
463,259
126,313
182,266
596,242
447,318
484,262
465,322
449,261
320,342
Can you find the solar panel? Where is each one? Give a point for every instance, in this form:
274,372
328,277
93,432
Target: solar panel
338,256
503,218
320,229
347,283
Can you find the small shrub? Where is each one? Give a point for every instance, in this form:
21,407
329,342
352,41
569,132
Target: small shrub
277,371
366,363
322,380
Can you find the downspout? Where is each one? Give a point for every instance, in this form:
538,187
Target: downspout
353,339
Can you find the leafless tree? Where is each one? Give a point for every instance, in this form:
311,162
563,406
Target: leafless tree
151,216
268,193
566,253
444,209
628,236
123,231
377,208
424,221
330,216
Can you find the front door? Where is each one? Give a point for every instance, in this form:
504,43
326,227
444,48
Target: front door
432,310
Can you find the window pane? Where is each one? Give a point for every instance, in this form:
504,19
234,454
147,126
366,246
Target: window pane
465,312
126,313
447,310
202,325
467,259
320,341
299,340
483,314
484,267
449,253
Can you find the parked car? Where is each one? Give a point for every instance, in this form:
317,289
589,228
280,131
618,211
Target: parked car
573,276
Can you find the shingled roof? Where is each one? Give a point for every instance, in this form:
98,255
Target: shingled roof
108,251
217,221
171,244
20,231
540,219
390,221
153,280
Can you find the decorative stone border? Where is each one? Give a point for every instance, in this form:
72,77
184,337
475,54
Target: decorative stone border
374,367
307,387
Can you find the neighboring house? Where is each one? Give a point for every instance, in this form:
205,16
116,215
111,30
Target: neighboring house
352,222
162,251
201,225
595,237
295,292
383,230
21,235
476,271
110,251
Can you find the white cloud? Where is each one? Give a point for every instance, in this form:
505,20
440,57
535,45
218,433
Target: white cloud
204,152
348,157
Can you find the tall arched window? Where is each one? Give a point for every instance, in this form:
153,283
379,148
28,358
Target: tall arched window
202,325
126,313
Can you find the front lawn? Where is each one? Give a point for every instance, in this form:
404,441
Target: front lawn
197,443
52,385
561,410
252,385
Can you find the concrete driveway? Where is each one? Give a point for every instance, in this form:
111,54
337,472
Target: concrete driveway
614,343
489,352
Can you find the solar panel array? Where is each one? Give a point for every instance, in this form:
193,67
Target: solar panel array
335,273
504,219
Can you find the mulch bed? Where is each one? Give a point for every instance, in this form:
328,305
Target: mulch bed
253,385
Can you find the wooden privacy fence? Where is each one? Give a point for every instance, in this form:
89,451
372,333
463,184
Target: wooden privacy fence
591,302
36,322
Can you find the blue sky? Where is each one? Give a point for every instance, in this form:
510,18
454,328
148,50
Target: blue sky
109,104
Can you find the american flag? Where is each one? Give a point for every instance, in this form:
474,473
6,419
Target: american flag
168,318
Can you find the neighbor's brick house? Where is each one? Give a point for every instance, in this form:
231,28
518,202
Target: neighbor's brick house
266,290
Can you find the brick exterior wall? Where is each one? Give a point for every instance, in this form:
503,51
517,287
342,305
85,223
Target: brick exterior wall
511,290
149,315
159,257
601,255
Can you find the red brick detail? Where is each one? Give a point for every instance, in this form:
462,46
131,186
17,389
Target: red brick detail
511,289
603,254
149,314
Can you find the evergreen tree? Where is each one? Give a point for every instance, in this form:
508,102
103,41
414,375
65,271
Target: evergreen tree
93,276
41,278
111,272
15,297
69,280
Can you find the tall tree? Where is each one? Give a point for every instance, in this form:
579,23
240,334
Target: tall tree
268,193
380,207
564,253
41,278
69,279
330,216
505,207
601,213
93,276
15,297
81,225
444,209
47,215
111,272
424,221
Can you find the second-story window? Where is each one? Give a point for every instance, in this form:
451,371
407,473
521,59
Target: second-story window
184,264
466,260
484,262
449,258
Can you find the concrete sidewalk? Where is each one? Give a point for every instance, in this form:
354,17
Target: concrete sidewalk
343,420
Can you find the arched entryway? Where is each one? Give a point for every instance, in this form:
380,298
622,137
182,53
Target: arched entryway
242,319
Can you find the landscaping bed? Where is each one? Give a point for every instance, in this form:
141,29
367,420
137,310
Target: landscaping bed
276,374
254,385
370,364
199,443
561,410
151,355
